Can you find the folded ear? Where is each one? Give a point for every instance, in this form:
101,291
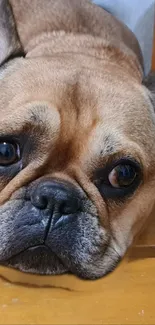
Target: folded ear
149,83
9,41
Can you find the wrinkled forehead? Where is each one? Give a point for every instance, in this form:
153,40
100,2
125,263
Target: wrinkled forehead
98,105
108,89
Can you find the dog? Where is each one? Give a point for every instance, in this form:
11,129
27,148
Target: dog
77,138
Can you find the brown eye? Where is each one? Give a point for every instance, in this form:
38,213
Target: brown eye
122,176
9,153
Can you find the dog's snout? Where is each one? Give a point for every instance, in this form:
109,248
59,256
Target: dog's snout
55,196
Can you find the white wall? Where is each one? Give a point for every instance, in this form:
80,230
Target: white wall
138,15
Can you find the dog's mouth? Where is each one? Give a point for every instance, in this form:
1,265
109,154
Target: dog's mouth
80,246
40,259
35,260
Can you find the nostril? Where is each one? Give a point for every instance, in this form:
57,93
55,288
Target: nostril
69,207
40,201
65,209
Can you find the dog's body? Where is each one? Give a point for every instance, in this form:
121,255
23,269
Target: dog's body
82,129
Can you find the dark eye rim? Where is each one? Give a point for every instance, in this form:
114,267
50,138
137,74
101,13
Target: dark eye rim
106,170
125,161
10,139
17,149
110,192
128,162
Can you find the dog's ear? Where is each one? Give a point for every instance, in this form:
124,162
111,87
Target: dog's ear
149,83
9,41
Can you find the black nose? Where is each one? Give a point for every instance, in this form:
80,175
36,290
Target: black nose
60,198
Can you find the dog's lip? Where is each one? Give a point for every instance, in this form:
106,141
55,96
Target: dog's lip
40,251
34,248
31,248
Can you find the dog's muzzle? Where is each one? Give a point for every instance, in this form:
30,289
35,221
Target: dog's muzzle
54,229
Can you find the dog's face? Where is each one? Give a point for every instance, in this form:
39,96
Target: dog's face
77,151
77,166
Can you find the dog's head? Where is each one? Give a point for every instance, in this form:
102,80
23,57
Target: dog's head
77,162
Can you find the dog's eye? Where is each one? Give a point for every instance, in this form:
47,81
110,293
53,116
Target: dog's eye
9,153
119,179
122,176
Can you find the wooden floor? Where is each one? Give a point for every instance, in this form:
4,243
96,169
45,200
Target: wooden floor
127,296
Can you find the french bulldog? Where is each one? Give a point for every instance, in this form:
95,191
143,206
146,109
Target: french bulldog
77,138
